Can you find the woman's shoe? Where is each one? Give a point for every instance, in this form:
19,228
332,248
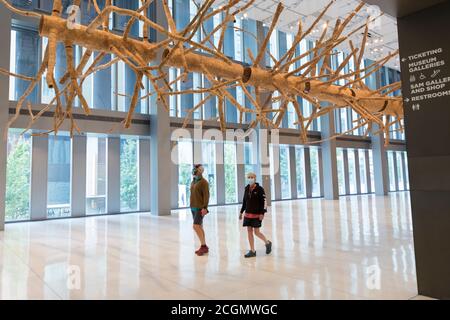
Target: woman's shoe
268,247
250,254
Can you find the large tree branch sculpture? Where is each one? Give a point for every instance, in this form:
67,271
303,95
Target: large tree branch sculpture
313,80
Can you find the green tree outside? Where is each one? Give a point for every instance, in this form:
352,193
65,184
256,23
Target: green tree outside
128,175
17,202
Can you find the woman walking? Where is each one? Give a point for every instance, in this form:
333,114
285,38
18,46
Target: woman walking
254,206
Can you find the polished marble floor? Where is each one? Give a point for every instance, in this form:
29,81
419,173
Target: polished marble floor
358,247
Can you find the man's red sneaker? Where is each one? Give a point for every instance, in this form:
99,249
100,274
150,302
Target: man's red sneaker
202,250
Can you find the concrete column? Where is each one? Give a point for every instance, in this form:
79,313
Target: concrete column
113,172
329,161
39,169
308,179
174,177
293,171
220,174
144,174
368,178
380,165
78,179
346,171
357,172
160,146
5,26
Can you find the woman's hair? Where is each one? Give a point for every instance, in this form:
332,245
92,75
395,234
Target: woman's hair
251,174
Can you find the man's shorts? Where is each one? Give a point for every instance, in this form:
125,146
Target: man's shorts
197,216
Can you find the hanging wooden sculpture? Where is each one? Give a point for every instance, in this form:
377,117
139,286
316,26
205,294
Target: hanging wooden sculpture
314,81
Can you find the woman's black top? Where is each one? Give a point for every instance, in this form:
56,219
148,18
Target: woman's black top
254,200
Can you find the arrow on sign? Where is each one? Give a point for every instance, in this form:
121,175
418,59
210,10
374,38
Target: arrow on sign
407,100
403,59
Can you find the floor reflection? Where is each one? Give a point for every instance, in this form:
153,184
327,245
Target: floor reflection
358,247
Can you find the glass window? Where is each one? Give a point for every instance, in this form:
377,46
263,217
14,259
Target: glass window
230,172
391,165
285,173
96,154
59,176
315,171
272,172
209,163
249,41
405,156
352,171
185,162
401,182
372,178
128,174
341,171
25,4
249,158
24,56
48,94
18,176
300,171
126,79
363,170
101,83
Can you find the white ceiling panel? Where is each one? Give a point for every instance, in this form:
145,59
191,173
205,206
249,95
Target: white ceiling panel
383,31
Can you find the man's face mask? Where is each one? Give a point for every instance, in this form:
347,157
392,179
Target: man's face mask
196,171
251,181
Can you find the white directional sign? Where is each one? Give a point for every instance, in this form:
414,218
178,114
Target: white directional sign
427,79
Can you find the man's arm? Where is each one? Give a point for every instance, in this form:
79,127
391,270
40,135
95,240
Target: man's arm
206,195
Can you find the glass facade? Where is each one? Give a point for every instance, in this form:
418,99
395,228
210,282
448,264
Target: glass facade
18,176
230,172
24,60
315,171
352,171
300,171
398,170
392,171
185,163
96,175
128,174
209,163
110,89
361,154
285,172
59,176
341,171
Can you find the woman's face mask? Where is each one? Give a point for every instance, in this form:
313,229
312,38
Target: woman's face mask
250,181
